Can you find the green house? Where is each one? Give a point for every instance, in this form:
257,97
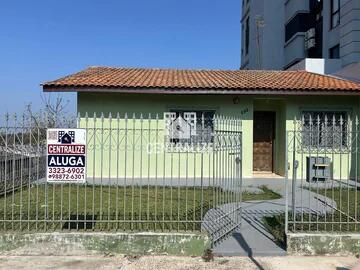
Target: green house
268,104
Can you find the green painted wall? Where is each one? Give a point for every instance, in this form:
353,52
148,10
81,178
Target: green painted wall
136,163
153,165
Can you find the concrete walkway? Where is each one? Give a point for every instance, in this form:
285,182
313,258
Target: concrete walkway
252,238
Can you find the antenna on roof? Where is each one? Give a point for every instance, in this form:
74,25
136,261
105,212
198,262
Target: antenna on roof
259,23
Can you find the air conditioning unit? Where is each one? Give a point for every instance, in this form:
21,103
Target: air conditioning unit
310,34
310,44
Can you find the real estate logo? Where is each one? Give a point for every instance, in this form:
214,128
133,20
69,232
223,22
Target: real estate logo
66,155
180,126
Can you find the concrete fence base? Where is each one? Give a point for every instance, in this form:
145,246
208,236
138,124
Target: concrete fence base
104,243
323,244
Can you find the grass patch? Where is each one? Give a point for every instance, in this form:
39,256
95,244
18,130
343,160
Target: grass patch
276,226
343,218
58,207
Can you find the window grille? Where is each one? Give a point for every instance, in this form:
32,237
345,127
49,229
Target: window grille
324,129
190,127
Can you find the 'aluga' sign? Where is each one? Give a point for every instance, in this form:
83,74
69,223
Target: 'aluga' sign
66,156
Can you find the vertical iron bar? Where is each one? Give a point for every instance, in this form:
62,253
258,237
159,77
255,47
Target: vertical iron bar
30,172
117,170
140,169
356,169
288,133
85,185
110,173
6,169
202,169
13,172
165,148
94,172
310,146
77,189
171,178
333,161
22,169
156,170
193,145
186,187
101,170
341,151
302,170
125,168
37,177
293,198
148,173
133,171
348,153
178,187
318,145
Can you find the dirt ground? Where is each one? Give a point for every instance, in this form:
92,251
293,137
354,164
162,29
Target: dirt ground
172,263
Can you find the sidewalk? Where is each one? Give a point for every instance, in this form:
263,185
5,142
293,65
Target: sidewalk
173,263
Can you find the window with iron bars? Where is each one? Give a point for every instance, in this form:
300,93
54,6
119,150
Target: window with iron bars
324,129
201,132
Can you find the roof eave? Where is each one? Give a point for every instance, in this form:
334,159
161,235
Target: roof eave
200,91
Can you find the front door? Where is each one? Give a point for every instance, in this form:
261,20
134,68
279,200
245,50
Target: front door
264,136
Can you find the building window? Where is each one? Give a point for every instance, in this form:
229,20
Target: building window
190,127
335,13
324,129
334,52
247,35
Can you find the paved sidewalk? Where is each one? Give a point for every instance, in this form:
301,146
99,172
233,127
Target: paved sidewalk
176,263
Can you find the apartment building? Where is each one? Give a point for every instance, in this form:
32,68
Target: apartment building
322,36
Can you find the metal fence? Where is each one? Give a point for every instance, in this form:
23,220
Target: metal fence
174,171
323,166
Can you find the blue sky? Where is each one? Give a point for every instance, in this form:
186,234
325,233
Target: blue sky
42,40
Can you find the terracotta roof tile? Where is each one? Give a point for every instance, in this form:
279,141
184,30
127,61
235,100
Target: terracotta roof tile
192,80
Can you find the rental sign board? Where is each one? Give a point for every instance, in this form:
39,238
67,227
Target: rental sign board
66,155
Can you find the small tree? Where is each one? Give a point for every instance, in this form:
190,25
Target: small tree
30,126
53,114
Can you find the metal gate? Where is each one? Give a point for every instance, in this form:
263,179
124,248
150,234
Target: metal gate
176,171
225,215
